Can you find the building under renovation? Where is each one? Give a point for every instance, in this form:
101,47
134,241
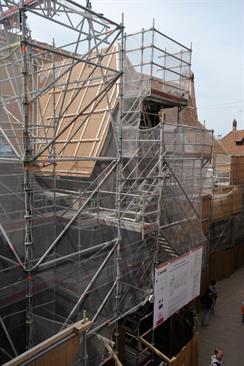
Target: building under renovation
102,171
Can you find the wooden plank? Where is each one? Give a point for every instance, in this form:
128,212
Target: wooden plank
222,264
73,350
46,344
155,350
194,350
44,361
57,356
188,354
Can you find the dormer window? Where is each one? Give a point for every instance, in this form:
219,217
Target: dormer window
240,142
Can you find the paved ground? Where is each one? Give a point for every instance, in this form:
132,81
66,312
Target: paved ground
225,328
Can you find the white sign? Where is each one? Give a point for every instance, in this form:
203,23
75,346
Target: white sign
176,284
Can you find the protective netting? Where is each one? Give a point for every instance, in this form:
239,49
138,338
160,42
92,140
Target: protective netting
109,188
151,54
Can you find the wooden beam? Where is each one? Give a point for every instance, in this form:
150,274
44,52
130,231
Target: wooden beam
81,326
156,351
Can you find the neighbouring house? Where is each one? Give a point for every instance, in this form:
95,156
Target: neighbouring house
229,161
233,142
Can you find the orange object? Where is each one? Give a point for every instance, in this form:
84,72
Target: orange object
23,49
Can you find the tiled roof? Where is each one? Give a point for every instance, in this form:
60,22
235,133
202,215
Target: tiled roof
233,142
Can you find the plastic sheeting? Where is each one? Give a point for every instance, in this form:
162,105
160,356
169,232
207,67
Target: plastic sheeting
95,239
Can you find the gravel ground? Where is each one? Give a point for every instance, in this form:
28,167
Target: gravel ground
225,329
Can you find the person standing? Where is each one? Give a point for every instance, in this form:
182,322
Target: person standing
217,358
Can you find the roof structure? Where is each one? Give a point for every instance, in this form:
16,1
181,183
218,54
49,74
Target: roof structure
77,104
86,136
233,142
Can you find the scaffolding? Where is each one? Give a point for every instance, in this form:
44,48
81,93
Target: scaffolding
96,188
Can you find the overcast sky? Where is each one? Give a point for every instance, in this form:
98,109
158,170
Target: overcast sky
216,30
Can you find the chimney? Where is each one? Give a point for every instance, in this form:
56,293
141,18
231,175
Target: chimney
234,124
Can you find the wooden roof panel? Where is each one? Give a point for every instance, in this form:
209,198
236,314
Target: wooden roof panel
85,137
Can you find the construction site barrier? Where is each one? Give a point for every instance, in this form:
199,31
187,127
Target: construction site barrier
222,264
63,349
186,357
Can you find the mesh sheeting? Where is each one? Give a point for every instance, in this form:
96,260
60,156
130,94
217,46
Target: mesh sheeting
150,55
95,236
58,286
226,233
